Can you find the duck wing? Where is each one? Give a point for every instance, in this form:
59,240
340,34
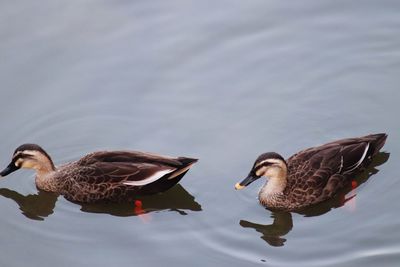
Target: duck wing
131,167
317,173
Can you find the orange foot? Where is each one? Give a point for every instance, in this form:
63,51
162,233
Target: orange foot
351,205
140,212
354,184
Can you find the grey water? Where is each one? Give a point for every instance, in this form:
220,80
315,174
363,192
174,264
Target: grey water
222,81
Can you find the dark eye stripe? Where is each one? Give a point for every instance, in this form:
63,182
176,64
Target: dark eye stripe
22,156
265,164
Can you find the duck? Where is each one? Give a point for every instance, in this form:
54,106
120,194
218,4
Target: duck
312,175
114,176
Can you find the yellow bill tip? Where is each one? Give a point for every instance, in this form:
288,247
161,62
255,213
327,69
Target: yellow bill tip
238,186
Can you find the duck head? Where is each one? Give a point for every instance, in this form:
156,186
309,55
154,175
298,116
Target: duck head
270,165
29,156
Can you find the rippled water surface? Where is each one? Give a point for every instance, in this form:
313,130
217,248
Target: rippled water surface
222,81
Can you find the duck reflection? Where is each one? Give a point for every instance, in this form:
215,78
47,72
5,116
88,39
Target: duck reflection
282,221
33,206
176,199
41,205
272,233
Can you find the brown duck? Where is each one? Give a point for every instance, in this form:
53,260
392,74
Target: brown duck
311,175
103,175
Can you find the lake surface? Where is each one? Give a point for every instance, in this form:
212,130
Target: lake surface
222,81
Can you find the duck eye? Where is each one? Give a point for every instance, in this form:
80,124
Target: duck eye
258,168
22,156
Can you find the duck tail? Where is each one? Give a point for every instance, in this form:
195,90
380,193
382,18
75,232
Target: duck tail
186,164
377,141
187,161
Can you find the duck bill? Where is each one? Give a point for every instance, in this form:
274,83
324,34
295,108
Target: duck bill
246,181
9,169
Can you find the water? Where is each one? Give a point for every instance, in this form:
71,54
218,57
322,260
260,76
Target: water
221,81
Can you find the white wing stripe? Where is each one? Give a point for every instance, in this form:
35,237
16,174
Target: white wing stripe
341,164
361,160
150,179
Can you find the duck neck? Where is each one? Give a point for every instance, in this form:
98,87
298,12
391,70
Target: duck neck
44,176
44,170
45,167
276,183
